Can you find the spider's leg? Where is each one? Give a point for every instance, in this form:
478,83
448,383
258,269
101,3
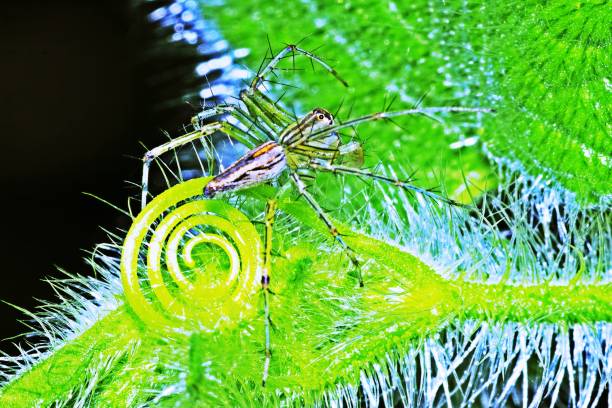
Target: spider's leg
265,282
403,184
260,77
263,107
260,105
197,119
428,112
332,229
235,111
243,135
264,116
173,144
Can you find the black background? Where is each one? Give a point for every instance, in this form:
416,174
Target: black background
76,101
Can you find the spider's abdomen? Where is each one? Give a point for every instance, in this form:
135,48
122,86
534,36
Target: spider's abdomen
262,164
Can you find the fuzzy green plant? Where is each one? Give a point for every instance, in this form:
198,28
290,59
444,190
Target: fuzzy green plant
508,304
330,337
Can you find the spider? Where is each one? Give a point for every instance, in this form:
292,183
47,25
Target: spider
282,149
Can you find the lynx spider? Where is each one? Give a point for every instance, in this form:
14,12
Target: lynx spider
281,144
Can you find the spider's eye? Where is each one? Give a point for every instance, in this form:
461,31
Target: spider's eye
320,116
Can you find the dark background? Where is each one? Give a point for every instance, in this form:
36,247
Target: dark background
78,93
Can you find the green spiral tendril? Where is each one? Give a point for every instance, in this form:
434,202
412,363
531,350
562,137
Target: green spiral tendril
168,231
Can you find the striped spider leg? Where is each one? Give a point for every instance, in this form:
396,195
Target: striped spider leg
265,283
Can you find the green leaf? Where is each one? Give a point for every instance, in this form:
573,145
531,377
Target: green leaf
544,66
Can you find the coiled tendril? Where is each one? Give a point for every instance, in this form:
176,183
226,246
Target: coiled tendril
169,270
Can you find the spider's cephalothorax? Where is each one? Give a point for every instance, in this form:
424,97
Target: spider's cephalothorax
281,144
